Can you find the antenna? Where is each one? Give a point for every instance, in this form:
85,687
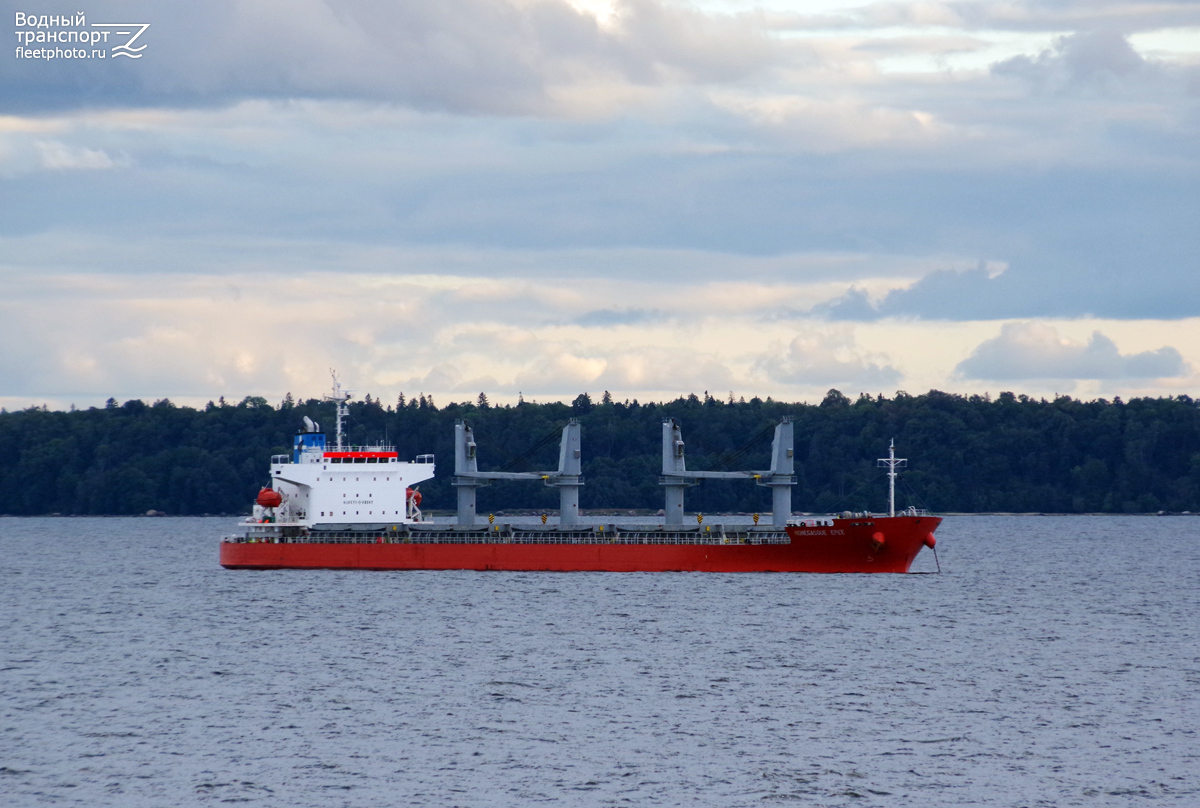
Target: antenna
891,463
339,398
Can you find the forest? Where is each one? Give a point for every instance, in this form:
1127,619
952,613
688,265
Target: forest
975,453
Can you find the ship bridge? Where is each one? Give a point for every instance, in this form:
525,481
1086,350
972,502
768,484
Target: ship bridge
344,484
349,454
309,447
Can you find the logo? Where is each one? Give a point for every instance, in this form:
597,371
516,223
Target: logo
127,30
50,31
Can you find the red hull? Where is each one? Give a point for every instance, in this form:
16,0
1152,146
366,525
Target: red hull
850,545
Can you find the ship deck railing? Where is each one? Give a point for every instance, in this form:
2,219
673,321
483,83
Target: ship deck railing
507,534
318,455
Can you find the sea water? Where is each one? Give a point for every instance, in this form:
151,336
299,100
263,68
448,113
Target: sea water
1053,661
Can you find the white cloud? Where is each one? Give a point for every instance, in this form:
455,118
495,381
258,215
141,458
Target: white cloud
659,368
634,194
834,125
1033,350
1169,44
826,357
58,156
198,336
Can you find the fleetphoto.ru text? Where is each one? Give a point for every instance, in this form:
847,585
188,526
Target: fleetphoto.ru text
71,36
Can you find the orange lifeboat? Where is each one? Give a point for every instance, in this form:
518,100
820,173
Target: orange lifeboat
269,498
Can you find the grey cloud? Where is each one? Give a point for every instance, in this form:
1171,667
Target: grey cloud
1031,351
941,295
902,45
1111,242
458,55
1094,53
609,317
1021,15
945,294
855,305
1113,235
1126,16
1095,58
1116,286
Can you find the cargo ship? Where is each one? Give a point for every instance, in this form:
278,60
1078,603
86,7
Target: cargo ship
358,507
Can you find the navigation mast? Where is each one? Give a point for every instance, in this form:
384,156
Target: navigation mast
891,463
339,398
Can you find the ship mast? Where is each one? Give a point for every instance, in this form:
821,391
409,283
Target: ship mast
339,398
891,463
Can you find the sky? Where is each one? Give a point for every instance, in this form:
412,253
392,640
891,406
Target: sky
541,198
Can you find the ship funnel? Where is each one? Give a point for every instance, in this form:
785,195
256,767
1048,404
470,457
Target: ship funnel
310,425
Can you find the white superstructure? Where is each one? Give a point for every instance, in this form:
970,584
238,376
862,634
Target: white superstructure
358,485
341,487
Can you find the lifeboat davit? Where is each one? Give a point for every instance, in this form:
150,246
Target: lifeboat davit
269,498
414,496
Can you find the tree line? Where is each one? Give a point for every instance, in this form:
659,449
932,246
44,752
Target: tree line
966,453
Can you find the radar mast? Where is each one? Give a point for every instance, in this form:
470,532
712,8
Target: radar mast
891,463
339,398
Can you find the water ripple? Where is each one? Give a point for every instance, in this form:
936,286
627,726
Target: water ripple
1053,663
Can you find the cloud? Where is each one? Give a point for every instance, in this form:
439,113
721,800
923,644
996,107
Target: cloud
606,318
974,294
825,357
478,192
1112,283
1099,58
198,336
1036,351
484,56
446,377
855,305
678,367
944,294
560,366
58,156
1025,15
832,125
